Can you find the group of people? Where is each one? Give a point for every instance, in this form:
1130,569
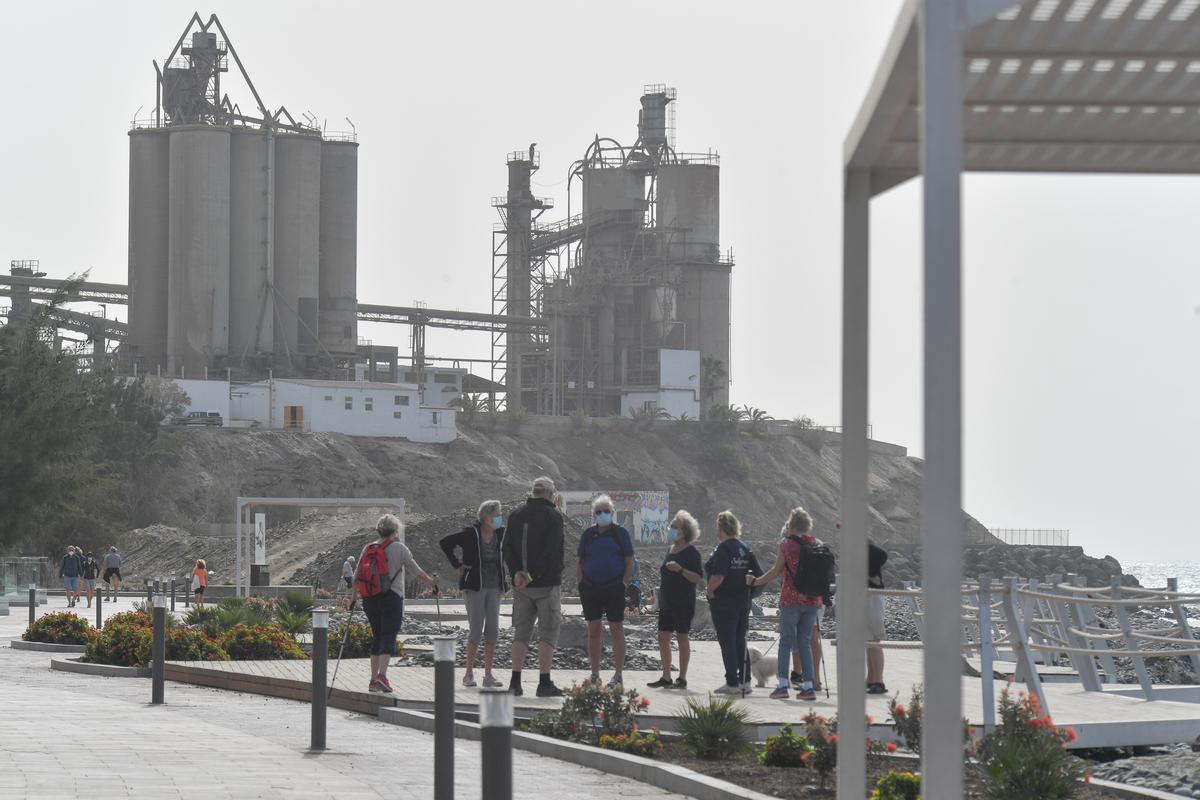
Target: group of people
79,572
527,550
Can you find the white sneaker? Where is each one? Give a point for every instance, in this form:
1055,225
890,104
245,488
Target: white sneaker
725,688
748,687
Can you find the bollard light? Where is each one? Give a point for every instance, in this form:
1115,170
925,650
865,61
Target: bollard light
158,650
496,722
443,717
320,666
443,648
320,618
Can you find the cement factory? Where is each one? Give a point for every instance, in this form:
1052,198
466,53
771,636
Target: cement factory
243,263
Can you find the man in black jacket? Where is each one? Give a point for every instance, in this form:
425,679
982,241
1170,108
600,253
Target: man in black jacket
533,552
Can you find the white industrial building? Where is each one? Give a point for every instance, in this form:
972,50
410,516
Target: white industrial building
355,408
678,390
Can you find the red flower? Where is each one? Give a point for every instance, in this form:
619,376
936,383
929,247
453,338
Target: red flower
891,747
1070,734
869,720
833,738
899,710
644,702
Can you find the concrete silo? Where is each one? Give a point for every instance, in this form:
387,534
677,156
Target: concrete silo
297,247
149,177
688,210
198,248
251,268
338,330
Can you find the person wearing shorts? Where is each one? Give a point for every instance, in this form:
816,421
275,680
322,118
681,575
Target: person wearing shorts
112,572
603,571
91,571
679,574
533,553
475,552
385,610
71,571
199,582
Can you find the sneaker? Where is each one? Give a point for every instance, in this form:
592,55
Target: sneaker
806,694
661,683
384,685
797,680
469,681
780,693
876,688
816,686
594,679
725,688
616,680
549,690
516,689
375,687
491,683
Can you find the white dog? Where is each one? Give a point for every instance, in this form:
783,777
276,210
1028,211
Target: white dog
762,667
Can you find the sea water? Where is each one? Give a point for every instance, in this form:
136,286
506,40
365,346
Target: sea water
1155,573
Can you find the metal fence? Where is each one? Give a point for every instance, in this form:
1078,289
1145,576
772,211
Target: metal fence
1035,537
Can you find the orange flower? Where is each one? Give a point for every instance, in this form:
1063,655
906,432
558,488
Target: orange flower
1070,733
899,710
890,747
644,702
869,720
833,738
1087,777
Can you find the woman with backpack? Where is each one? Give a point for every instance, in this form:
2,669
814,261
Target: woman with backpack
475,552
803,564
730,570
378,583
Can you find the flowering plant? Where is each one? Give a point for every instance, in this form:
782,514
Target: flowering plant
785,750
59,627
635,742
1026,756
590,711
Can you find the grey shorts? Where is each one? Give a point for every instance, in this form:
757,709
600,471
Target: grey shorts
483,615
539,603
875,631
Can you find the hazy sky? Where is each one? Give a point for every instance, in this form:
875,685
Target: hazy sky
1082,293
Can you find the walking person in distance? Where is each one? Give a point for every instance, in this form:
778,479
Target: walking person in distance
379,584
475,552
729,600
112,573
679,574
199,581
603,571
533,553
91,571
70,570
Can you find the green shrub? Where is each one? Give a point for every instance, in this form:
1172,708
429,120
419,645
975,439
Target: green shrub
714,729
205,618
589,712
295,602
359,639
648,745
906,720
294,623
259,643
121,644
785,750
822,738
185,644
136,618
59,627
1025,756
897,785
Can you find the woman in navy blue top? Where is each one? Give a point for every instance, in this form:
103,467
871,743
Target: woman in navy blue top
729,600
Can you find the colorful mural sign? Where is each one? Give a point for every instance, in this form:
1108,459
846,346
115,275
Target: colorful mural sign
644,514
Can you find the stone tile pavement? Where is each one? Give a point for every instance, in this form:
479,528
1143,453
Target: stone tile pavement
64,736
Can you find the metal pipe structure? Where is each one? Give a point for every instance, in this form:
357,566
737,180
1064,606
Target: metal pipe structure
320,671
443,723
158,651
496,724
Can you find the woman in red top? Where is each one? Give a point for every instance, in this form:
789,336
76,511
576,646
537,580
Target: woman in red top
797,612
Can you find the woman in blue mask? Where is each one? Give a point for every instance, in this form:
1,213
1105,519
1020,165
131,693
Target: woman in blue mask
680,572
475,553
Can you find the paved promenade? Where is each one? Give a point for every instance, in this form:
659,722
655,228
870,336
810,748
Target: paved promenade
65,736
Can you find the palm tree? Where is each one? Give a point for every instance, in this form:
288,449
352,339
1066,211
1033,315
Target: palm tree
756,416
713,378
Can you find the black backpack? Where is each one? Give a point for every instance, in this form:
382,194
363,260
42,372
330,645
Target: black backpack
815,571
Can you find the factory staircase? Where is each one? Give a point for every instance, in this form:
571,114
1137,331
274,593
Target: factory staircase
551,237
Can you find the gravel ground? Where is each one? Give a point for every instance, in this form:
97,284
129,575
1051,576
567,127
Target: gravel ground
1175,769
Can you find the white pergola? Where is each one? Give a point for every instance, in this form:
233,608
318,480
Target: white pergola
1085,86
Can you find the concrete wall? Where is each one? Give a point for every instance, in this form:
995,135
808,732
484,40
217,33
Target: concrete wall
325,410
440,384
149,177
674,401
251,402
297,245
208,396
679,369
251,304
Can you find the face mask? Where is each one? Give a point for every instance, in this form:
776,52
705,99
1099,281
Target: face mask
672,534
497,521
604,518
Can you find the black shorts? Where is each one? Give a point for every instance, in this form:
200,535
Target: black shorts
108,573
199,590
349,582
603,600
676,619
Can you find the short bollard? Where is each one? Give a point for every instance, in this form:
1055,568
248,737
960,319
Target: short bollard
99,607
158,651
443,717
32,602
496,723
320,664
172,594
149,592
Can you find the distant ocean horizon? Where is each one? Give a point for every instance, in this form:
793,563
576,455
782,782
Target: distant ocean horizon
1155,573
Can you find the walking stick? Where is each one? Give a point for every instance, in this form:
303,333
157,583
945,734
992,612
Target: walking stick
826,671
341,649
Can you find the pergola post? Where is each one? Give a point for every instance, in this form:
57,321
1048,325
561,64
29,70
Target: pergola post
942,525
852,572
